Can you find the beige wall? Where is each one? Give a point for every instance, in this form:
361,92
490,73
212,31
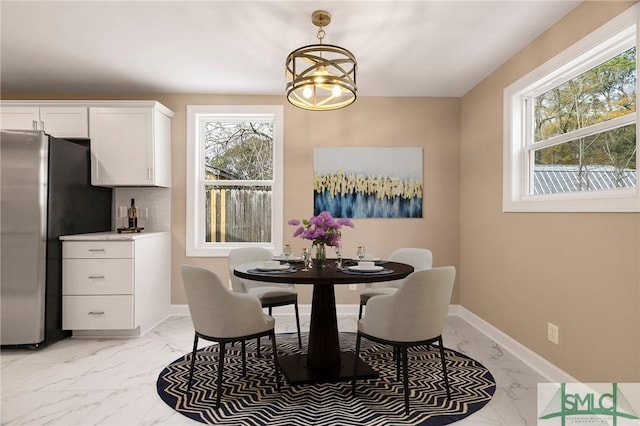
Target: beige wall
519,271
430,123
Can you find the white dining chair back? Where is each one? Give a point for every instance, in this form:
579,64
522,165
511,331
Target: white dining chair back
419,258
246,255
414,315
271,295
221,316
417,311
217,312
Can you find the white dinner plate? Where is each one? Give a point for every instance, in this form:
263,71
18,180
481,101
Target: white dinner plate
273,268
374,268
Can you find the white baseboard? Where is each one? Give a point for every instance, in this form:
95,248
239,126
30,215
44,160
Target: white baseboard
543,367
539,364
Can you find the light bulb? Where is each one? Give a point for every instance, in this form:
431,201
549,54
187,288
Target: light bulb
336,91
307,92
320,75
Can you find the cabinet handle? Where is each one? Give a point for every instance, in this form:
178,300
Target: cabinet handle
149,173
41,125
96,277
96,249
34,123
96,313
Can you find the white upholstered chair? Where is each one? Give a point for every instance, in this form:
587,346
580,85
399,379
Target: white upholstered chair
419,258
270,295
221,316
414,315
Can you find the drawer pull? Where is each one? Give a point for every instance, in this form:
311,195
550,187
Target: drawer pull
96,313
96,249
96,277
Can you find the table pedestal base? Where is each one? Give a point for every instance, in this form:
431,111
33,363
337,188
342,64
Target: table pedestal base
297,372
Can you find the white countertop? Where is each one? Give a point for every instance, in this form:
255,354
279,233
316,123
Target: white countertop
110,236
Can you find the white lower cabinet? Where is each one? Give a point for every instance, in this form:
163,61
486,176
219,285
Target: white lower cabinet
115,287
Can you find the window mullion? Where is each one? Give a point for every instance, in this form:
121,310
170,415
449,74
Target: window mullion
587,131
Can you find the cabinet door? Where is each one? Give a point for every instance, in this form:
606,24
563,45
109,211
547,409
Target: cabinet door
121,146
65,122
58,121
19,118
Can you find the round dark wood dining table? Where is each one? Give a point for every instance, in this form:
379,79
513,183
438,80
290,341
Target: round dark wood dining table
323,362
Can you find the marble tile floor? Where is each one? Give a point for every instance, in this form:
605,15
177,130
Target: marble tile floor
112,381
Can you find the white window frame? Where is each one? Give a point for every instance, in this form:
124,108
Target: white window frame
619,33
195,220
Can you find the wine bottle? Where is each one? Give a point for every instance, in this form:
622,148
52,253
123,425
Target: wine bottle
133,214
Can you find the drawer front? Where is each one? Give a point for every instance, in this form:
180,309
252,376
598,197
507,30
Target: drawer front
97,250
98,313
97,276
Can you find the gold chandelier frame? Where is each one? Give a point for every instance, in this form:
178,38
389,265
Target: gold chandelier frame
321,77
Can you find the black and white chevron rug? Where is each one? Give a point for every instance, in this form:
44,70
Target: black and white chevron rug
254,400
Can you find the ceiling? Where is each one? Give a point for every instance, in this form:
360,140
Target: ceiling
403,48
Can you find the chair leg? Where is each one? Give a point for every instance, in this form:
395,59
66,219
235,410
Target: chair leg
270,314
444,368
220,366
360,310
355,365
243,350
298,324
275,359
398,360
405,373
193,361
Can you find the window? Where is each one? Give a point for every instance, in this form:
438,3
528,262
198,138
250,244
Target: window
570,140
234,178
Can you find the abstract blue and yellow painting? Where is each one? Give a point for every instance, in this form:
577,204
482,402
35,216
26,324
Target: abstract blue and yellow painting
368,182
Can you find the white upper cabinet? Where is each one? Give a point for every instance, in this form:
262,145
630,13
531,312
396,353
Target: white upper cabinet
130,146
57,121
130,140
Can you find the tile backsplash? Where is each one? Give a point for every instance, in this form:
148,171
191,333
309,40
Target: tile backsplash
155,201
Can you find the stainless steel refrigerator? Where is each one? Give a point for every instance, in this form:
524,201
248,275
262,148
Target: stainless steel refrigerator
45,192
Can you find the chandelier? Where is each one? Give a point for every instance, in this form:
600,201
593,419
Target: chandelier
321,77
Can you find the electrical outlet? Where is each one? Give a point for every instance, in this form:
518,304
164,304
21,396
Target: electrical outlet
553,333
353,286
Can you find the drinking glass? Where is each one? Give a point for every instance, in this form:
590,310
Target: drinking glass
286,250
306,259
122,214
339,255
360,252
